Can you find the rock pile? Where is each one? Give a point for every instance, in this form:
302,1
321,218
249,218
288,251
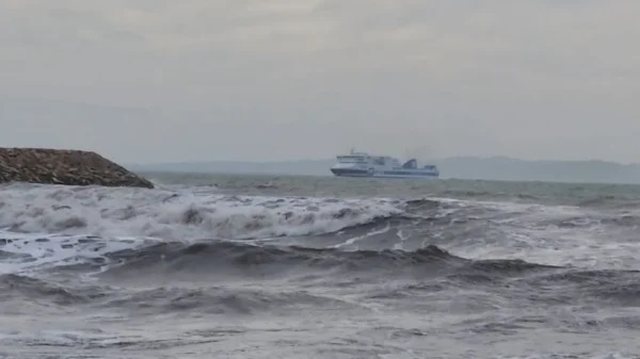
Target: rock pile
65,167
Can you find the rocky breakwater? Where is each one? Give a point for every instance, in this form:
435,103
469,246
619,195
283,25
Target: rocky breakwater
64,167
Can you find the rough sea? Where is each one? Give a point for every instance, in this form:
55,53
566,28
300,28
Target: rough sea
210,266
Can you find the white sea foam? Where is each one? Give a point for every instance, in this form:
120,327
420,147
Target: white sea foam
545,234
176,214
54,225
613,355
556,235
29,252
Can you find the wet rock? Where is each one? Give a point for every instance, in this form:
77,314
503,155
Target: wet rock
66,167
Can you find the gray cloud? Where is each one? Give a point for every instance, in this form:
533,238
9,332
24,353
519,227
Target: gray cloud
253,79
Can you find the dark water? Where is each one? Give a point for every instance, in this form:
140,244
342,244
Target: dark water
311,267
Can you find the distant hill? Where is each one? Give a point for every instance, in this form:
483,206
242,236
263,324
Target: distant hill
502,168
494,168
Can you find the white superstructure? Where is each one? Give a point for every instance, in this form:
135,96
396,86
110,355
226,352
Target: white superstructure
361,164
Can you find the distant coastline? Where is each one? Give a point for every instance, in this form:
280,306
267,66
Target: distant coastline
475,168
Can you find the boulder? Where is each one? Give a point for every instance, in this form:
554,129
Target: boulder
65,167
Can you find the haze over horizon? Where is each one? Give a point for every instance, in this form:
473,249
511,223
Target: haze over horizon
159,81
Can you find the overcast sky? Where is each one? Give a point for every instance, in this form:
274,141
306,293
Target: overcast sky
152,80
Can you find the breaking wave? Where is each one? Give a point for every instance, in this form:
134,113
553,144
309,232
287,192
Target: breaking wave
428,270
176,215
242,260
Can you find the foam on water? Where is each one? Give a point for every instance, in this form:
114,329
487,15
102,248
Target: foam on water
315,276
547,234
612,355
177,215
67,216
54,225
30,252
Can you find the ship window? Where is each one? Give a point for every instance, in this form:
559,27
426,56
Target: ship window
351,159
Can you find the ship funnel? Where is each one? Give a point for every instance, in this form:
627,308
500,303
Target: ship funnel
412,163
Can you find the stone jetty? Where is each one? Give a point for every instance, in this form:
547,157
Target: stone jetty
65,167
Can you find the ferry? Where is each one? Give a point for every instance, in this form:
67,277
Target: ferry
361,164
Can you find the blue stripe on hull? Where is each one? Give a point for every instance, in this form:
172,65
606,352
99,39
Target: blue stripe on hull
400,173
406,176
382,175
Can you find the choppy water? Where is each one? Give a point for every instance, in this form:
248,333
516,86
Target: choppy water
303,267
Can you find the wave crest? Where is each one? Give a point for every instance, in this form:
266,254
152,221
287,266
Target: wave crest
175,215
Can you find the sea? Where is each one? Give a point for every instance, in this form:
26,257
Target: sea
229,266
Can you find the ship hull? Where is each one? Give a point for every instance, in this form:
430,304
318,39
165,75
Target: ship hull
345,172
406,175
382,174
